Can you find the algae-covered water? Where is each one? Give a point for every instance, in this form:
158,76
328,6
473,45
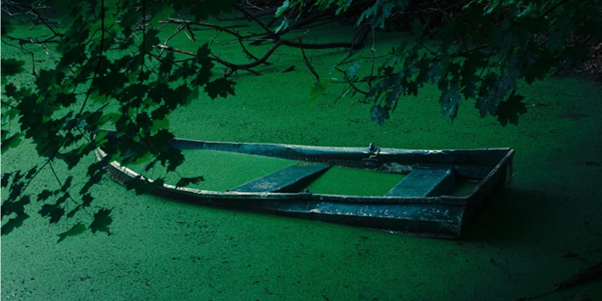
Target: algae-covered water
542,230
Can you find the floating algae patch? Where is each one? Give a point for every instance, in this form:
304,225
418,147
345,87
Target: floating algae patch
353,181
221,170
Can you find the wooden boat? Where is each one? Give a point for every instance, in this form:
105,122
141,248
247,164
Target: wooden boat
419,204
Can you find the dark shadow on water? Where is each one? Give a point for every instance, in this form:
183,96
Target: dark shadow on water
510,217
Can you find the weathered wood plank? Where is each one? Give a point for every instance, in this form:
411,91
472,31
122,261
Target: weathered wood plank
424,182
284,180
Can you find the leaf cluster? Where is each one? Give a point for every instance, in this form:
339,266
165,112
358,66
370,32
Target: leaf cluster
475,50
109,75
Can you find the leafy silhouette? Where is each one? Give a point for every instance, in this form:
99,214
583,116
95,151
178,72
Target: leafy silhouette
5,179
87,200
220,87
11,67
102,220
17,207
183,182
14,223
107,59
317,90
54,211
509,110
10,141
77,229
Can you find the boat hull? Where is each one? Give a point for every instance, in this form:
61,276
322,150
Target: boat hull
433,216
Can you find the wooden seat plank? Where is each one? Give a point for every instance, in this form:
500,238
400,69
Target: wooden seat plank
284,180
424,182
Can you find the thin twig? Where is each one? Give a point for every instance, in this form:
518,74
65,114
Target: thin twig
307,61
178,30
230,65
58,180
228,30
170,48
372,51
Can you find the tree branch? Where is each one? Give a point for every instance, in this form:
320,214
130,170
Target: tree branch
307,62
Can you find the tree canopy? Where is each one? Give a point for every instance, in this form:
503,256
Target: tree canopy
112,70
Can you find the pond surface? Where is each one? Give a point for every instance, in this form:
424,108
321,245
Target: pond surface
544,229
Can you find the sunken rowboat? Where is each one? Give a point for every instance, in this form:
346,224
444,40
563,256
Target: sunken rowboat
422,203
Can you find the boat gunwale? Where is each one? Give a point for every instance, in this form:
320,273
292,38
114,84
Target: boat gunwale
337,198
333,149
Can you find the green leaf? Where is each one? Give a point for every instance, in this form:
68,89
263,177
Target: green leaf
67,184
11,90
95,172
11,67
66,100
10,142
283,26
451,100
54,211
77,229
71,158
5,178
379,114
87,200
202,54
161,140
151,39
417,27
203,9
353,70
6,26
166,64
220,87
159,123
139,185
31,172
16,188
162,12
317,90
13,223
102,220
128,21
183,182
44,195
509,110
284,7
172,158
9,206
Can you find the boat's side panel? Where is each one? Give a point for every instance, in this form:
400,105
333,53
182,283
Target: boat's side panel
497,179
431,220
436,220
